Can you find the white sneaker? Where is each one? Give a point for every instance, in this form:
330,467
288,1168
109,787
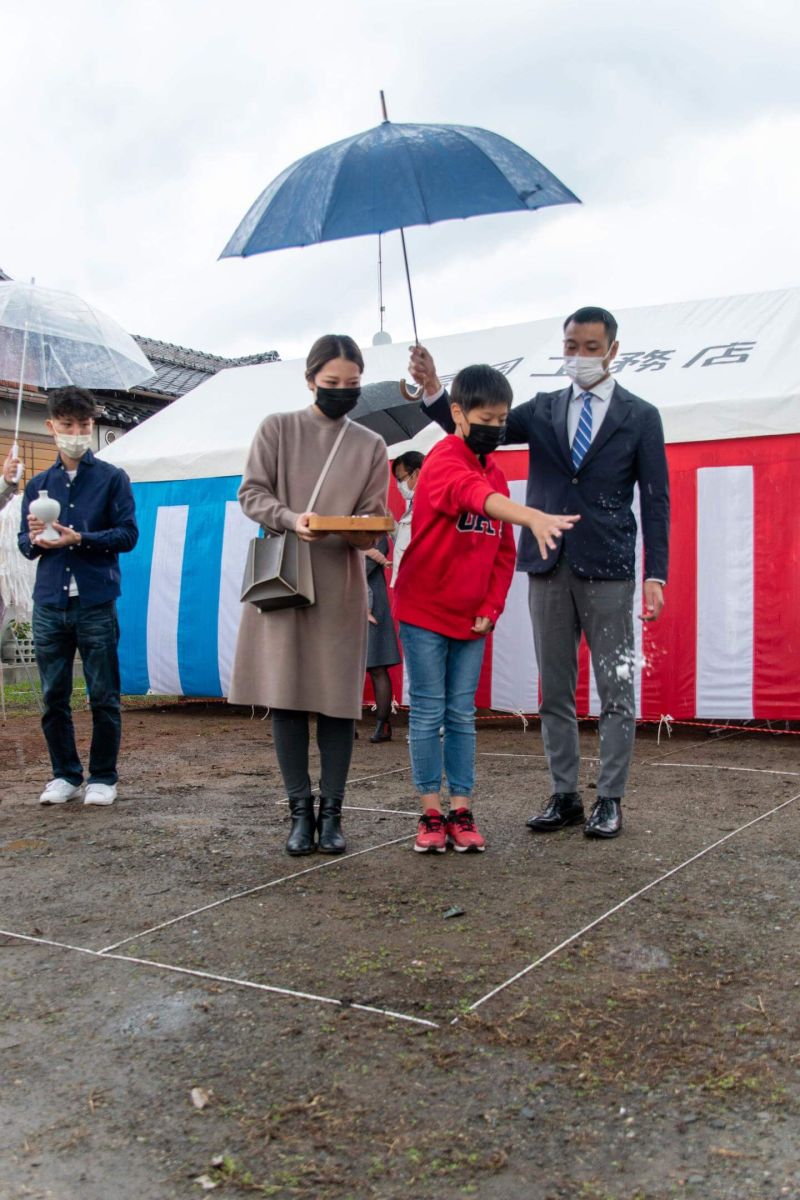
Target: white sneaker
100,793
58,791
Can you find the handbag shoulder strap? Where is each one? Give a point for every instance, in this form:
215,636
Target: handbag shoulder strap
327,467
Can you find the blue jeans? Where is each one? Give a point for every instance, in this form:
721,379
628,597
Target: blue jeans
442,676
94,633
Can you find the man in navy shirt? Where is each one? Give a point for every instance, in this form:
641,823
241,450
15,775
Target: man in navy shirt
77,583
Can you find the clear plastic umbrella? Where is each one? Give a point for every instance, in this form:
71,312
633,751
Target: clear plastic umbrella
50,339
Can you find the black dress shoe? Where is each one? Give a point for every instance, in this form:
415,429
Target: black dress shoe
383,732
605,820
563,808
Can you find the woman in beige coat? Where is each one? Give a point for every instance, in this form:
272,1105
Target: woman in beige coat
299,661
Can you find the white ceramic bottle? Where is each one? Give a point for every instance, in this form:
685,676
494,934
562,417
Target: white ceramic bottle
46,509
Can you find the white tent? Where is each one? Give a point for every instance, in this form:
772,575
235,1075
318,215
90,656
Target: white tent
724,374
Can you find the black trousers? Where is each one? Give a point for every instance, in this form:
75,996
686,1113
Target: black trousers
290,734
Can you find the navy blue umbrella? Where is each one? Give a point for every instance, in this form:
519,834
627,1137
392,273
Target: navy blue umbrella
390,177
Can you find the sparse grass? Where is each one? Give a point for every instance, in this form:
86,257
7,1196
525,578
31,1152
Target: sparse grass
22,697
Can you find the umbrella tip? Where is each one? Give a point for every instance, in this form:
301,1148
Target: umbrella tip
383,106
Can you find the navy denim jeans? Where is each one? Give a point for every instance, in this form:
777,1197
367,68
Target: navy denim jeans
442,676
94,632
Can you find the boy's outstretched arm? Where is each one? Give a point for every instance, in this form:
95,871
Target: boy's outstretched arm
545,527
453,488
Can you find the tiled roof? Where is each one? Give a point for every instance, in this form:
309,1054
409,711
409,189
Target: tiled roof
179,369
124,413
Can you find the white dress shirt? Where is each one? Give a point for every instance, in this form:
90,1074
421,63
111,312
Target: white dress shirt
601,394
402,538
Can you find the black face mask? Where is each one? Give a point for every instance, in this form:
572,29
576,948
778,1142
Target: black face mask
483,439
337,402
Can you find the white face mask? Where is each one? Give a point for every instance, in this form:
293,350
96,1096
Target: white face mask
585,371
405,490
74,445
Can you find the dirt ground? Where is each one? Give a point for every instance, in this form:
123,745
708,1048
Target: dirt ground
655,1056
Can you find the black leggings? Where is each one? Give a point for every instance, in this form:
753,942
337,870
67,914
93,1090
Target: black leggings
382,687
335,740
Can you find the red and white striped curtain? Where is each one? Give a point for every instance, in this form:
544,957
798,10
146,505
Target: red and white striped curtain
728,642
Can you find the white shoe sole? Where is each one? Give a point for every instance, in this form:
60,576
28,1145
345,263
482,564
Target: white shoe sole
430,849
48,800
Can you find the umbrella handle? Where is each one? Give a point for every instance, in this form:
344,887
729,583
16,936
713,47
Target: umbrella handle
407,393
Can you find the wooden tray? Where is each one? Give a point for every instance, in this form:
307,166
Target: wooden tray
351,524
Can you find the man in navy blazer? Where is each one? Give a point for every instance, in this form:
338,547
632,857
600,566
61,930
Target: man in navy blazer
589,445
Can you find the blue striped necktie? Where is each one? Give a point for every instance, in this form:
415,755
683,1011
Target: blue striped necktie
583,434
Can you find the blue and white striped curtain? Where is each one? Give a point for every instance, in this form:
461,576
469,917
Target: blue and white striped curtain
180,609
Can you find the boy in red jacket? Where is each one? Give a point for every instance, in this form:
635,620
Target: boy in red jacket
450,592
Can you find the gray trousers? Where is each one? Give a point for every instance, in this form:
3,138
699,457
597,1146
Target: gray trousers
563,605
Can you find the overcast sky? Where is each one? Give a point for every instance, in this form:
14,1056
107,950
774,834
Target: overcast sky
136,134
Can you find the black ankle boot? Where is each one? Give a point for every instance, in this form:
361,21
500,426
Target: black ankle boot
383,732
301,835
329,825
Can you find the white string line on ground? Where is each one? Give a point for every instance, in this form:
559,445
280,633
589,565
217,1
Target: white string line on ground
266,987
656,763
719,767
380,775
197,974
367,779
43,941
395,812
622,904
701,745
330,862
508,754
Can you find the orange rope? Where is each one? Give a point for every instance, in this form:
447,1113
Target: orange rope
730,725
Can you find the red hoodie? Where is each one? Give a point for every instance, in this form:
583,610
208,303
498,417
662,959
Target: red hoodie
459,563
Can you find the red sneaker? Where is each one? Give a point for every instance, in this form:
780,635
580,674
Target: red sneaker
462,832
431,833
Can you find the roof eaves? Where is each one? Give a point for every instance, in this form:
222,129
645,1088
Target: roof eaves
197,360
